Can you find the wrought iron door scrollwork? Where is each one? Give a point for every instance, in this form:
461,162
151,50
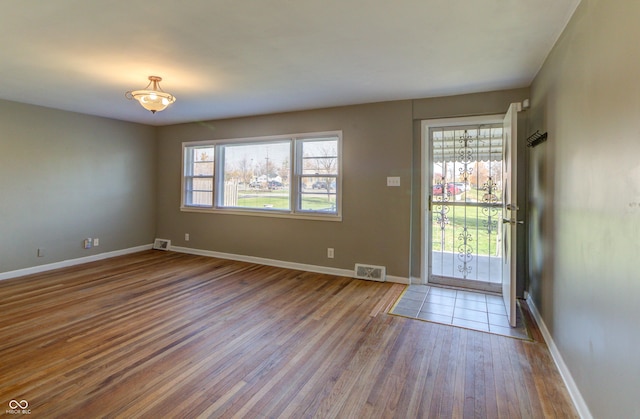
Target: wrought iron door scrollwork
490,187
465,252
465,156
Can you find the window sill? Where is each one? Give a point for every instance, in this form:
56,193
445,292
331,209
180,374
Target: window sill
270,214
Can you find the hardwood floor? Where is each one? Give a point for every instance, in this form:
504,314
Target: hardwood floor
161,334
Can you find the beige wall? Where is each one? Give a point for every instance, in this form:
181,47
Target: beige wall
585,209
381,225
375,225
65,177
94,177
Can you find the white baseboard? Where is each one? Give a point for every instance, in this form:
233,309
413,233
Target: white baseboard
280,263
398,280
251,259
72,262
574,392
416,280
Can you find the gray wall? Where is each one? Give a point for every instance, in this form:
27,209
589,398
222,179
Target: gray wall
585,205
95,177
381,225
65,177
375,225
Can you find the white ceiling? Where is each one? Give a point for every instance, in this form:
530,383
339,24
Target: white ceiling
228,58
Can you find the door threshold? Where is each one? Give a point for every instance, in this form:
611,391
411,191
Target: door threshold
469,285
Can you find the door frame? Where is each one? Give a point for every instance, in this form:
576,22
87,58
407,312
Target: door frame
427,175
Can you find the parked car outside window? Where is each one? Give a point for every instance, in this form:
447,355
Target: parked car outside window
462,186
452,189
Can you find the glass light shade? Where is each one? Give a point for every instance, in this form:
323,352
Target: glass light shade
152,97
153,100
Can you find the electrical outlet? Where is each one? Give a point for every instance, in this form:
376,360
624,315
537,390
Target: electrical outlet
88,243
186,237
330,253
96,242
40,252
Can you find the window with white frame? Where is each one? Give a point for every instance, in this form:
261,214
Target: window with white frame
291,176
318,179
198,176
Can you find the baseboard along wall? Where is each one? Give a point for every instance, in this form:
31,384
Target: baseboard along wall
71,262
251,259
574,392
282,264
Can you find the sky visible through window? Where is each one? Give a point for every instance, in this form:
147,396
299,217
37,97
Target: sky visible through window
257,159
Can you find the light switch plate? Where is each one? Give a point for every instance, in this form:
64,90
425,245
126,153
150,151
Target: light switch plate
393,181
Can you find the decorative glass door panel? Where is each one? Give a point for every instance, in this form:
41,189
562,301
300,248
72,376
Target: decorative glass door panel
466,206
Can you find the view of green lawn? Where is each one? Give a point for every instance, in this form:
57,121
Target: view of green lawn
268,199
476,221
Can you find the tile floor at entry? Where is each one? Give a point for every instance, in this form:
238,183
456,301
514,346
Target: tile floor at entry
469,309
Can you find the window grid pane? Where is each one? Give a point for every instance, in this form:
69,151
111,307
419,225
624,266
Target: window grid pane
319,176
285,175
198,176
256,176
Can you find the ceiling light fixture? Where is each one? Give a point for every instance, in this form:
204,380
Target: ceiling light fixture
154,99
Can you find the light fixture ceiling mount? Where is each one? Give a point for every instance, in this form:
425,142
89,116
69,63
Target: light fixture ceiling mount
152,97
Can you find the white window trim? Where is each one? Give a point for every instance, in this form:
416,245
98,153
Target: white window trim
295,174
184,176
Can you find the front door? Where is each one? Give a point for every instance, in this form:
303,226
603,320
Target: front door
466,178
510,210
465,206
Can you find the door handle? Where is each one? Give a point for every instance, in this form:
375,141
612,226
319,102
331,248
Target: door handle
508,221
512,207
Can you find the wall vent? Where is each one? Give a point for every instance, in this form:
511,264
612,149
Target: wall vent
370,272
162,244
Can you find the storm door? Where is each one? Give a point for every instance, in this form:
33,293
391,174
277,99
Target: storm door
465,177
510,210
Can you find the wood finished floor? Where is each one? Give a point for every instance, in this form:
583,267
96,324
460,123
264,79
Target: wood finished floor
161,334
